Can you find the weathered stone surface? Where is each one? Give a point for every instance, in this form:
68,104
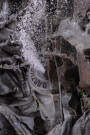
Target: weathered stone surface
29,110
82,126
80,7
84,71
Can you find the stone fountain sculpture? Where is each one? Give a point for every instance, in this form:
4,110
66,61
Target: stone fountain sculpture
25,94
23,91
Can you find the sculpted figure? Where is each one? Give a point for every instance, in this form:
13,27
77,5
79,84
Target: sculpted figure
23,93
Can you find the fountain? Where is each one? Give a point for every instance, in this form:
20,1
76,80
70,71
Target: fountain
37,95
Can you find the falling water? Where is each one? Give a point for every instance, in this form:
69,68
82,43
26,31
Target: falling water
72,32
27,27
4,13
